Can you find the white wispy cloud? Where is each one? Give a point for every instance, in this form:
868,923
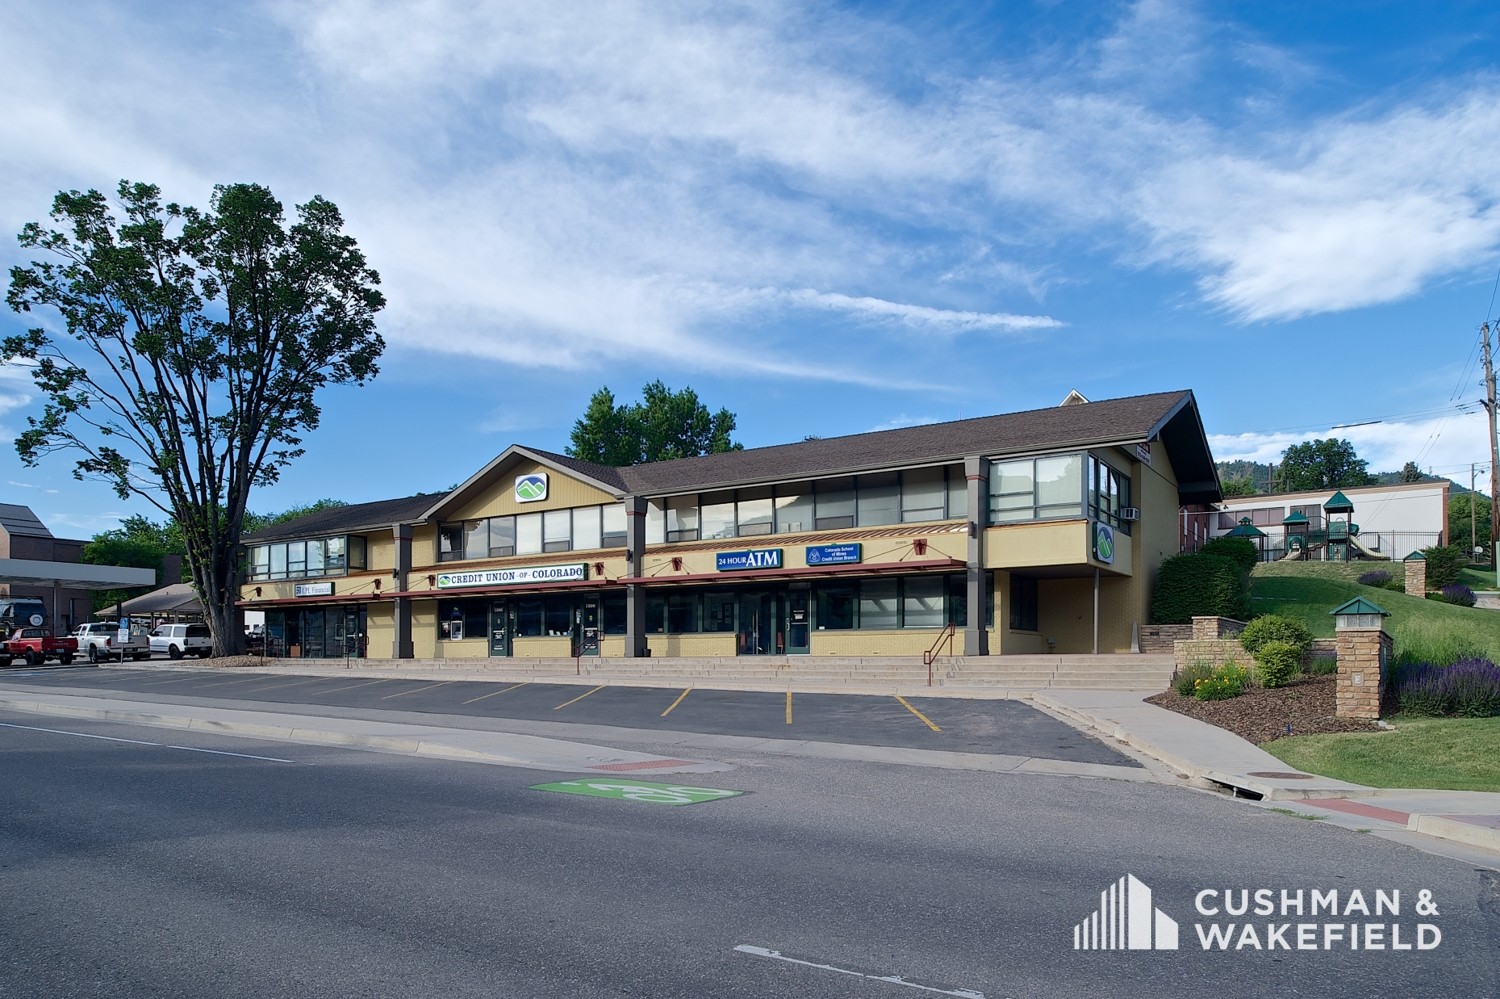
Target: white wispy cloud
1445,445
568,185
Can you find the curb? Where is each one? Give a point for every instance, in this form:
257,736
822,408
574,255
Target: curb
1451,828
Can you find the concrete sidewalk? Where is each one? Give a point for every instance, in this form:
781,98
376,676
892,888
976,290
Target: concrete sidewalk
1215,757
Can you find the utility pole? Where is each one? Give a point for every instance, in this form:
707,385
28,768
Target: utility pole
1473,507
1489,406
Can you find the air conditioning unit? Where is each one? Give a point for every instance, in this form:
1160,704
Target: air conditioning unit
1130,513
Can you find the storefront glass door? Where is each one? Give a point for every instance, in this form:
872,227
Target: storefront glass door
760,631
798,617
500,628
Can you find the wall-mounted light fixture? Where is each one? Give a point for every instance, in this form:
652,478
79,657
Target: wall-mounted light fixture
257,591
973,529
377,584
431,580
676,563
598,569
919,545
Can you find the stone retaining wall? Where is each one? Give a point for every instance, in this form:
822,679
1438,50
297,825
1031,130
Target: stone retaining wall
1158,639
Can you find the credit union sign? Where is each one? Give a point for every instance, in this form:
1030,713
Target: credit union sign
509,576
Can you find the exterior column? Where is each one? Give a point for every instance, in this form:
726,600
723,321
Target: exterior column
1416,575
635,593
976,635
1363,654
401,645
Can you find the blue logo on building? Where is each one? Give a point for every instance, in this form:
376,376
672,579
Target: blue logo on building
756,558
833,554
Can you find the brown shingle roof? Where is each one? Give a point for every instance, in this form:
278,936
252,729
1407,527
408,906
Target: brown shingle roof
1110,420
345,519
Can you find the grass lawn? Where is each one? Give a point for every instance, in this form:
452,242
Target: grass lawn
1478,579
1458,754
1420,627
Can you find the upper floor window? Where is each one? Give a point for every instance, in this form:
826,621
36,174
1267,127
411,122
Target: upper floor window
1109,493
581,528
307,557
1036,488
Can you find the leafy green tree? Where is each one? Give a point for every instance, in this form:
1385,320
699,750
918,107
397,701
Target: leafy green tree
1459,523
137,542
260,521
1322,464
1238,487
1410,473
194,345
662,426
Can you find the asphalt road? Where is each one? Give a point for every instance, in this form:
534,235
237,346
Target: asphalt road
153,868
938,723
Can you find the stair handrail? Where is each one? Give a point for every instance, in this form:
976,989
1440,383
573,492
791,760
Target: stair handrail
930,655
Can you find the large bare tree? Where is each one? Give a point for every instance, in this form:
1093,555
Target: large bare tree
191,351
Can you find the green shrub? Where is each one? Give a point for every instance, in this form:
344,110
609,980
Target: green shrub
1223,683
1323,666
1187,679
1199,584
1278,662
1241,551
1275,628
1444,564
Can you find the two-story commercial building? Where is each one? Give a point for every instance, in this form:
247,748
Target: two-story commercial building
1026,532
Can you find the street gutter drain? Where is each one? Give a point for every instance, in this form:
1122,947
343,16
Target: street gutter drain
642,765
1279,775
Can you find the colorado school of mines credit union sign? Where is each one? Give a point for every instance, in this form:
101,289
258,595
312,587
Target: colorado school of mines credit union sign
519,574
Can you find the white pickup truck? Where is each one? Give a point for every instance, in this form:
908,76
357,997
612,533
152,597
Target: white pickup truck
106,640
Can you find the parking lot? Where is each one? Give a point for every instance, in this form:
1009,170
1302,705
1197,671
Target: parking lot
938,723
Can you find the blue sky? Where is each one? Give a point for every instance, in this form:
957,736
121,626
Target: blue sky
829,218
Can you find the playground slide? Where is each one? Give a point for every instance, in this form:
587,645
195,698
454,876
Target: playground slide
1369,553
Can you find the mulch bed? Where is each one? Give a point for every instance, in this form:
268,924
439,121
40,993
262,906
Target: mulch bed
1260,715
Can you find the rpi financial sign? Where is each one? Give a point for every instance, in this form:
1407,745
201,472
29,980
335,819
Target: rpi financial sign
755,558
1264,919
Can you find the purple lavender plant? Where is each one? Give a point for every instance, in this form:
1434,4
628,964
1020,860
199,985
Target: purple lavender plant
1458,593
1470,688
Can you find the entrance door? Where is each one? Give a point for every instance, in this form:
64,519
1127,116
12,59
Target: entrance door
500,628
347,638
588,644
798,616
760,624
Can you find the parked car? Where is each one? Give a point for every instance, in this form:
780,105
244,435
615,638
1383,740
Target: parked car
19,612
178,640
36,646
106,640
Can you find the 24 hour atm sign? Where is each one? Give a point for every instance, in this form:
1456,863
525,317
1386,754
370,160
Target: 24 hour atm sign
520,574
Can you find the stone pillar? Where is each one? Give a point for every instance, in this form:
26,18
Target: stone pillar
635,593
1416,574
976,634
401,643
1363,654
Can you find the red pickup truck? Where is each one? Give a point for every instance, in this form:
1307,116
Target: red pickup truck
36,646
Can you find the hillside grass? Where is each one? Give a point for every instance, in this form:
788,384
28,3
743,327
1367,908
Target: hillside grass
1456,754
1421,628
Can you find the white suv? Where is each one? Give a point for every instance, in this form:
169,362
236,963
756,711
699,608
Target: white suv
176,640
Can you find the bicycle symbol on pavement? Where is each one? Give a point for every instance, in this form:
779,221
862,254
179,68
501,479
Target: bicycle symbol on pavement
646,791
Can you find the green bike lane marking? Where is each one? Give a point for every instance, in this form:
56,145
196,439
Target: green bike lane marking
651,793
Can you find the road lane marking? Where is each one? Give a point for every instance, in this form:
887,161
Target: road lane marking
351,686
257,678
159,745
677,702
580,697
492,693
648,791
892,979
788,707
403,693
925,720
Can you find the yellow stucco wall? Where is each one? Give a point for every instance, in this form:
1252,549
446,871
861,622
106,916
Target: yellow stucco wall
541,648
1021,546
497,497
899,642
712,644
1066,613
381,629
380,549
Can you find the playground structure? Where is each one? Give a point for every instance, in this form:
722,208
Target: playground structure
1338,542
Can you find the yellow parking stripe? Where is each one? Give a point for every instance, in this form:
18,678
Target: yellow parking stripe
788,707
494,692
925,720
677,702
403,693
580,697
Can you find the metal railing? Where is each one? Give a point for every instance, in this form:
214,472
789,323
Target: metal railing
930,656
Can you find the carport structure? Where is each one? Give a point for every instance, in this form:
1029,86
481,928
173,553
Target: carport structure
62,576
